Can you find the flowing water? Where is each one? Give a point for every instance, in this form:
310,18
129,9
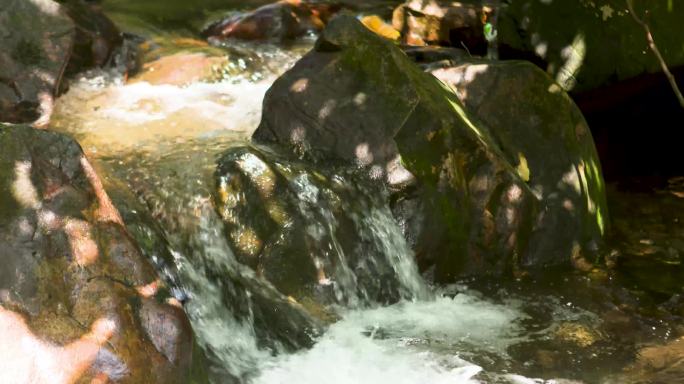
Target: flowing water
163,141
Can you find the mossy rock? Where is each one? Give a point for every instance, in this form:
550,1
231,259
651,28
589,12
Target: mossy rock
469,208
544,135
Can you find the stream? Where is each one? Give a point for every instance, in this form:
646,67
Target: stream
162,142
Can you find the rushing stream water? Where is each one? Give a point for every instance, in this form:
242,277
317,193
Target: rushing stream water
163,141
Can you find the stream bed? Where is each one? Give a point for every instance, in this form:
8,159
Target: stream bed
162,142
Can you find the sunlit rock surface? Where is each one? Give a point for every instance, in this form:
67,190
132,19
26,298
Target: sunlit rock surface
76,295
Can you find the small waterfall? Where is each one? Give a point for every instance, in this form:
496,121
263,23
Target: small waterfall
241,316
382,229
241,320
335,224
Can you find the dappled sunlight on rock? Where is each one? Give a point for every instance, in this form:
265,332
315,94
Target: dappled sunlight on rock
29,360
36,38
23,189
529,117
105,209
300,85
83,248
70,262
148,290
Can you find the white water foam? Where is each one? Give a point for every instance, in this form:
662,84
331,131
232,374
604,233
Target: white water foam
389,344
116,117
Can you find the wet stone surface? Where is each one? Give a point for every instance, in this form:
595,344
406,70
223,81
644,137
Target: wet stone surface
74,277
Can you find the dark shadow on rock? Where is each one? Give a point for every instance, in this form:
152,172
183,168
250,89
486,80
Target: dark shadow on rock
36,38
543,133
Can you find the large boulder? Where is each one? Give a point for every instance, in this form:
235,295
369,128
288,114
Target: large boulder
36,37
467,205
73,282
543,134
587,44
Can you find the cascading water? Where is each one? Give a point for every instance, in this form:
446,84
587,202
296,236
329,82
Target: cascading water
328,251
333,226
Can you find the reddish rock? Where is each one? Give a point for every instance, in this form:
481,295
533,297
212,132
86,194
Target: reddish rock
73,282
283,20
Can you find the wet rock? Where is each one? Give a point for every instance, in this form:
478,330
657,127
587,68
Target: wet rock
169,211
658,364
530,118
96,37
647,235
357,98
318,235
379,26
41,41
36,37
434,22
70,266
283,20
584,45
432,57
576,334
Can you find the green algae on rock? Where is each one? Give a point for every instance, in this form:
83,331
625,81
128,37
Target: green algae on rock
467,207
543,134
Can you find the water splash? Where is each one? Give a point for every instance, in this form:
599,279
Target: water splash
392,344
